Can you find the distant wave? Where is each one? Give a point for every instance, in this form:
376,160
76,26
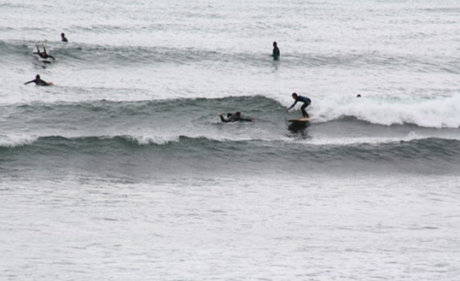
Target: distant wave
430,149
109,55
142,55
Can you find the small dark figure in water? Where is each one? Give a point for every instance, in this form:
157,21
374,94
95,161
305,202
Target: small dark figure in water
43,54
63,39
39,82
358,96
306,102
235,117
276,51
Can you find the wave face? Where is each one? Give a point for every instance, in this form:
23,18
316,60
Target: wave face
140,157
173,136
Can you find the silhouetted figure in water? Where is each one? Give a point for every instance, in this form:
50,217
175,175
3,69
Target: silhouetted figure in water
39,82
276,51
63,39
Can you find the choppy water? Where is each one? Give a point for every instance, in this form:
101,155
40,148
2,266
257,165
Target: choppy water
123,171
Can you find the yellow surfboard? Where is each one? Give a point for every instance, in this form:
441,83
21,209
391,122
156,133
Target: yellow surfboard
303,119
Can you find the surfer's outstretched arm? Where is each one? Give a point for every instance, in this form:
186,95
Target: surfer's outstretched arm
39,82
38,50
289,108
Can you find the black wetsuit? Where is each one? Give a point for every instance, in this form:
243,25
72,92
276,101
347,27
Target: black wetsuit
43,54
276,52
38,82
234,118
306,102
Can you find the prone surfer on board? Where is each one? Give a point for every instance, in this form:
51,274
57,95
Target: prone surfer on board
306,102
235,117
39,82
43,54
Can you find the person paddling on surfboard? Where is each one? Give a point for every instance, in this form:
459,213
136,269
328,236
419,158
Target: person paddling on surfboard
43,54
39,82
306,102
235,117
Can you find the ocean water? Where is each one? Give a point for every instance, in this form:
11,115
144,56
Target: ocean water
123,170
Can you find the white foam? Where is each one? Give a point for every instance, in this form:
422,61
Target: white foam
166,139
363,140
433,112
16,140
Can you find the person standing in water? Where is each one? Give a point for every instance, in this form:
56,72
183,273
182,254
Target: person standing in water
63,39
276,51
306,102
